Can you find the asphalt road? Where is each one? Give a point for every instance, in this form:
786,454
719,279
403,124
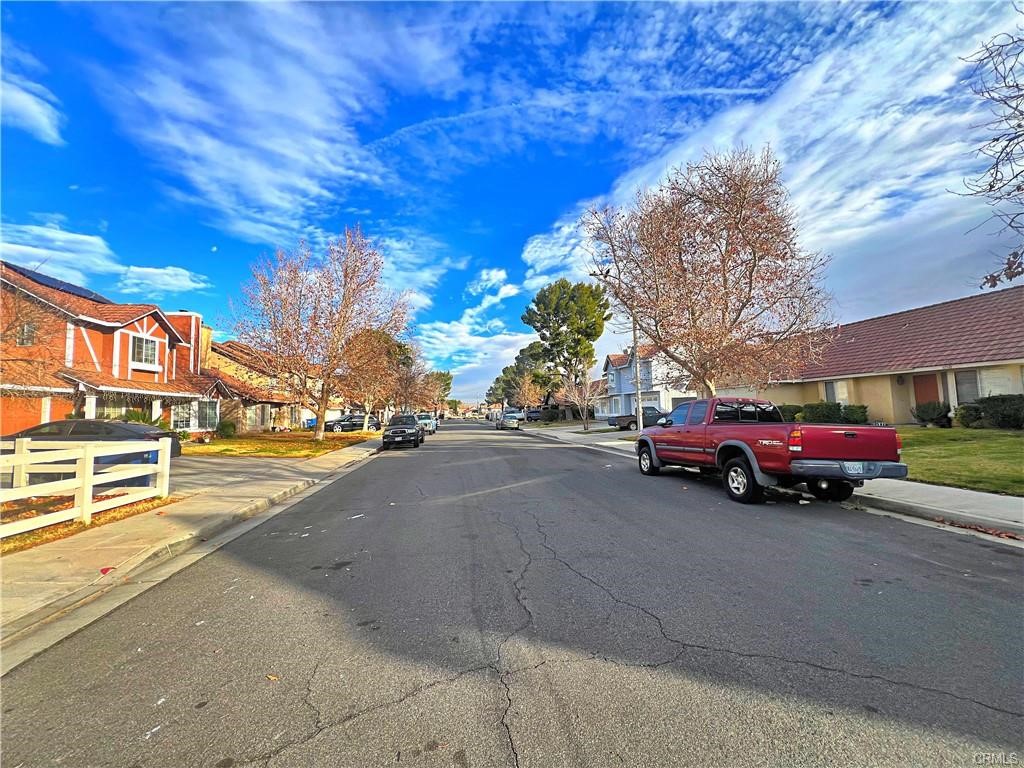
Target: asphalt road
494,599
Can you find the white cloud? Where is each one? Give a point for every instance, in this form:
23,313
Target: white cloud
414,263
872,134
488,278
156,281
213,249
76,258
28,105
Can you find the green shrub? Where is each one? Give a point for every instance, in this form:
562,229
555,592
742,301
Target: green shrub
184,436
969,415
549,415
855,414
226,428
823,413
789,412
799,416
1003,411
141,417
932,413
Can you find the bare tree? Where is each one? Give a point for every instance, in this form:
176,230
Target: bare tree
31,340
580,391
996,78
303,313
411,380
709,266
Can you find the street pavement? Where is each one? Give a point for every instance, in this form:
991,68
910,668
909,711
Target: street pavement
492,599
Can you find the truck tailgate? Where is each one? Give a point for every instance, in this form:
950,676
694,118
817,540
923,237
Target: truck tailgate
827,441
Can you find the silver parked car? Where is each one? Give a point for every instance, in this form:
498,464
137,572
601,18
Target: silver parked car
510,420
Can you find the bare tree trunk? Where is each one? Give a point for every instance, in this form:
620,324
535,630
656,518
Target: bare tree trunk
321,410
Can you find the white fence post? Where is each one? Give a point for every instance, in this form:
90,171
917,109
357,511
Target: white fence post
84,471
163,475
19,476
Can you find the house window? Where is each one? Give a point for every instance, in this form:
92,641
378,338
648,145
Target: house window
830,391
143,350
26,334
967,389
611,378
195,416
208,414
111,407
181,416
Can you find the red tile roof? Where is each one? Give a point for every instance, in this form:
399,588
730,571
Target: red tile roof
248,390
106,382
647,351
81,307
31,375
618,361
984,328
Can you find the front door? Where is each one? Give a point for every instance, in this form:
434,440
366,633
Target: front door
667,439
692,438
926,388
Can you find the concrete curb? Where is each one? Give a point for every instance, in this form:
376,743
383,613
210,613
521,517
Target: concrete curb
17,629
936,514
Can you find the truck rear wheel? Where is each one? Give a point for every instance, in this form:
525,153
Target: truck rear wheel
631,426
739,482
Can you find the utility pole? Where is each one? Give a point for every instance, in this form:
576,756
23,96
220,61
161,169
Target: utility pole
639,409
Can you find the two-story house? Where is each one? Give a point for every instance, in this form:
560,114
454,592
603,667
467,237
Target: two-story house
660,385
67,350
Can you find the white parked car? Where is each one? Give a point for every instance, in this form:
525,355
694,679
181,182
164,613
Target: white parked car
428,422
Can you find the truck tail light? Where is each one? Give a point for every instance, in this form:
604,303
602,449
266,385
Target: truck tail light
796,440
899,445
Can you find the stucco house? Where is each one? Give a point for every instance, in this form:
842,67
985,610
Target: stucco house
65,349
955,351
660,385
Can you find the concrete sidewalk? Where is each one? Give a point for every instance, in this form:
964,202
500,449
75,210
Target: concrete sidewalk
51,578
932,502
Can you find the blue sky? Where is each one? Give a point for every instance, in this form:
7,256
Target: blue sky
153,151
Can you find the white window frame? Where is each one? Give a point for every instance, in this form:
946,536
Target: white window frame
140,365
26,336
178,421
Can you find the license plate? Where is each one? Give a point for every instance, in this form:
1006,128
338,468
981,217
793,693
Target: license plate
854,467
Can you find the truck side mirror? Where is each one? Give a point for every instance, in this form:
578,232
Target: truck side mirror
663,422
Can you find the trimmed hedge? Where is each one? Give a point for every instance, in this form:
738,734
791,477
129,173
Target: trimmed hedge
822,413
855,414
226,428
932,413
1002,411
969,415
789,411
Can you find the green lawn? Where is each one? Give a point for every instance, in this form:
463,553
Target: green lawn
980,459
299,445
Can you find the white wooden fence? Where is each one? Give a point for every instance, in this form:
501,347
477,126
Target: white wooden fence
79,459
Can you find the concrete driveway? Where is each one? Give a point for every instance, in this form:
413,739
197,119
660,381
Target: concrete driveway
195,474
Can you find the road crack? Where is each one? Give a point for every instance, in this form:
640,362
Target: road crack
685,646
320,726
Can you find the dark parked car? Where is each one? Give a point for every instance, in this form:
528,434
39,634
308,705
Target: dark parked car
403,430
651,416
353,422
99,429
534,414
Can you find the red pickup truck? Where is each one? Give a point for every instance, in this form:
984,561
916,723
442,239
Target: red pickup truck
750,444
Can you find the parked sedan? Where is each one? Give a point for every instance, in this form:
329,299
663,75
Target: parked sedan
403,430
99,429
353,422
510,420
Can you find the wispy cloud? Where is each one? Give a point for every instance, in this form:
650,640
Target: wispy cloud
415,262
488,278
873,134
79,258
27,104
